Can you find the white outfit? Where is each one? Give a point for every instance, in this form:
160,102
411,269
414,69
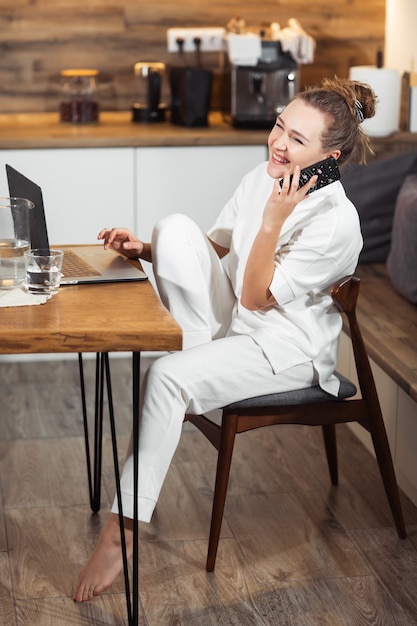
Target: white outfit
231,353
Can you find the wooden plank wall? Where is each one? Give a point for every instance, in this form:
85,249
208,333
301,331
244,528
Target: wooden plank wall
38,38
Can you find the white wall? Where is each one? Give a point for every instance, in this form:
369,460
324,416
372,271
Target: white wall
401,35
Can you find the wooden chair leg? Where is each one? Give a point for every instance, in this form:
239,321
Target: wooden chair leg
386,468
228,433
329,436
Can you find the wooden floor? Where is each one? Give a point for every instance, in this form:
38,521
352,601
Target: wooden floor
294,551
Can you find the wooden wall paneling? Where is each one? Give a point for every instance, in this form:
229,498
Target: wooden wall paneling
38,38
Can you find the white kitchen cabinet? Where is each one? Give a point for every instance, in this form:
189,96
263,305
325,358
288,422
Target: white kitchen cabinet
406,445
196,181
399,411
84,189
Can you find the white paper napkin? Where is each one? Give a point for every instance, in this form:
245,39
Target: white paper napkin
19,296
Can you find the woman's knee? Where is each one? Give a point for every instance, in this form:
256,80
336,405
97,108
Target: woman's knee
172,227
161,373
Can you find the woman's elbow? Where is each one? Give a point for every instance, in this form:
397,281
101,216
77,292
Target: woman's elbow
253,303
248,303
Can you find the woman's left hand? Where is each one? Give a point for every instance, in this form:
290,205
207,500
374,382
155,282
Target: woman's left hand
260,264
284,198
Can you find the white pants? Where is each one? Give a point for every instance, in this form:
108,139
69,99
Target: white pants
212,370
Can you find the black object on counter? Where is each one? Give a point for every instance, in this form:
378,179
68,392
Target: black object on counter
190,95
148,108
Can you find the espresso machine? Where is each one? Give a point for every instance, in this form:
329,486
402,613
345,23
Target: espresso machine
260,92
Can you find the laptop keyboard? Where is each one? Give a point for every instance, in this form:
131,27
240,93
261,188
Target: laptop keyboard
73,265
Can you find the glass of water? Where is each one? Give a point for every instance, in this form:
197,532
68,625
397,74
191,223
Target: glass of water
14,240
43,270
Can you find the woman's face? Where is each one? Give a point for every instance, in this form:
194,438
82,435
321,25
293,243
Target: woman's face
296,139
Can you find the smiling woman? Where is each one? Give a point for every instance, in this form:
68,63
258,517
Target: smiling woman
266,325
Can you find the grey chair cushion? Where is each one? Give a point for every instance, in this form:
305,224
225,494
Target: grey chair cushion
300,396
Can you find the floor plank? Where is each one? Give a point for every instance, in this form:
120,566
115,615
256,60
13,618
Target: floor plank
393,561
6,592
350,601
3,539
43,472
187,594
292,536
61,611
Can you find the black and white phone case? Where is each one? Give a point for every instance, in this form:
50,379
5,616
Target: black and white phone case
327,172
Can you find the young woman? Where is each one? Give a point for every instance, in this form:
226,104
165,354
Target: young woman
265,325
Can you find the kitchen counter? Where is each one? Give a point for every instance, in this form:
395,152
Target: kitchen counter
115,129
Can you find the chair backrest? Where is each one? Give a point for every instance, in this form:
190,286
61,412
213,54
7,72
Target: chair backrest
345,295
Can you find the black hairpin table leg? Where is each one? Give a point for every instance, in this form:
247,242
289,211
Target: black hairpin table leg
103,371
132,605
93,470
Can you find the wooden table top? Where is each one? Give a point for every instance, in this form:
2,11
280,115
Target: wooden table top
103,317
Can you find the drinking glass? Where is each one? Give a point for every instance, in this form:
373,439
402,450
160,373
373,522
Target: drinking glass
43,270
14,240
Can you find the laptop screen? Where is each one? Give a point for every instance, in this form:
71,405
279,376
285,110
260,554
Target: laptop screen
22,187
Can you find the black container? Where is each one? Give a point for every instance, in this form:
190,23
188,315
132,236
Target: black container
190,95
148,108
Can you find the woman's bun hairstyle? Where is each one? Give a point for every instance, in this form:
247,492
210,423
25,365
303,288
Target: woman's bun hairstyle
347,103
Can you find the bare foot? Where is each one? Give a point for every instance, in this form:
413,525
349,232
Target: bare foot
106,562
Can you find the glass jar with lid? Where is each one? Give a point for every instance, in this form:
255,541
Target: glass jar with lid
79,104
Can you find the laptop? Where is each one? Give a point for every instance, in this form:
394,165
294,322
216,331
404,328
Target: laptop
82,264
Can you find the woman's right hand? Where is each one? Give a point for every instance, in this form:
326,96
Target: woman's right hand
121,240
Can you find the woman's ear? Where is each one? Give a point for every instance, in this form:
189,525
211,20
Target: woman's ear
335,154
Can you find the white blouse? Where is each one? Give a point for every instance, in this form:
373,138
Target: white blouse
319,244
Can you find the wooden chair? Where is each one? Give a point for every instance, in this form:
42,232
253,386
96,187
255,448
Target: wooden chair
313,407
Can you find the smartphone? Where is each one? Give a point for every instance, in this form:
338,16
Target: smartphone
327,171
